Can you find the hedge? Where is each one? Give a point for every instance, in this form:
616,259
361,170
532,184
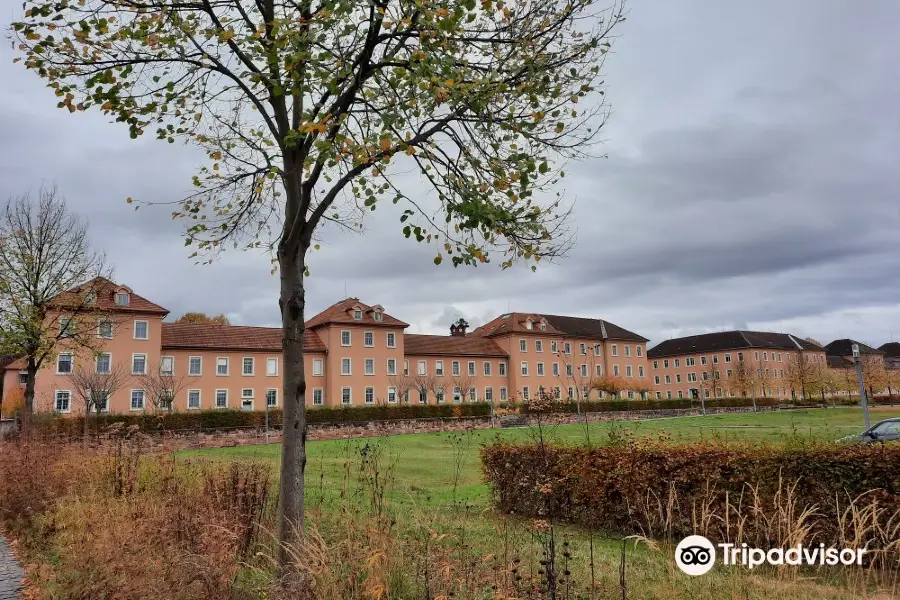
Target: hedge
664,490
570,406
215,419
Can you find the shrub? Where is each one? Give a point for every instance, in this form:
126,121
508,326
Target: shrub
669,491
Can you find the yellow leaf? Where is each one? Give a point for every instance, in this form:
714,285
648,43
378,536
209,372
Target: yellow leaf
385,144
225,36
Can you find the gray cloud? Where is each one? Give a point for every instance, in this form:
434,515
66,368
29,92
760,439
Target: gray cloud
750,182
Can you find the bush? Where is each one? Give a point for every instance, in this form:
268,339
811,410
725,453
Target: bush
663,490
222,419
589,406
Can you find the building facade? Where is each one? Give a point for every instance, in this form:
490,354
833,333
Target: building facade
354,354
733,363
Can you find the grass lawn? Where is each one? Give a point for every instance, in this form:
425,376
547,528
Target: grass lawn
437,476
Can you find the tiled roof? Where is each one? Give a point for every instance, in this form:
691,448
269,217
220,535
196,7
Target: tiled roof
839,362
104,291
450,345
17,364
844,347
594,329
729,340
891,349
340,313
231,337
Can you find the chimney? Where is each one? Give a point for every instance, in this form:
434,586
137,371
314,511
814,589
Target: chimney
459,328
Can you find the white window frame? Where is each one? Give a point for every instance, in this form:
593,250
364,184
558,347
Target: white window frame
584,370
391,339
349,341
629,372
246,396
65,327
524,368
216,399
538,346
135,355
391,366
486,368
244,360
526,392
56,401
100,324
97,363
598,370
357,315
392,395
628,350
406,368
71,363
227,366
555,369
349,364
615,370
457,394
504,396
640,350
318,368
268,391
199,372
523,345
377,315
369,362
473,394
728,357
369,334
146,329
489,394
439,368
454,368
656,379
349,391
122,299
143,400
321,393
199,399
614,350
422,368
539,369
162,361
501,368
270,360
554,346
640,370
582,348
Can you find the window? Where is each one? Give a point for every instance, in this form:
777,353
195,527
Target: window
439,368
392,395
369,339
583,349
406,367
640,350
740,356
615,350
666,363
271,397
584,370
23,377
668,379
346,396
703,360
471,368
487,368
167,366
370,395
727,358
554,347
369,366
345,338
137,399
248,365
616,370
659,395
423,368
765,356
193,399
680,394
439,395
692,377
473,394
346,366
728,373
377,315
627,350
567,348
677,378
690,361
138,364
598,370
221,398
103,364
524,368
122,299
318,367
423,396
715,359
543,326
454,367
523,345
538,346
357,315
655,364
501,368
568,369
571,392
555,369
540,369
318,399
105,329
528,324
392,366
489,394
247,396
656,380
525,392
457,395
140,330
557,393
503,396
222,365
271,367
392,340
756,355
66,327
677,363
669,395
195,365
63,401
640,370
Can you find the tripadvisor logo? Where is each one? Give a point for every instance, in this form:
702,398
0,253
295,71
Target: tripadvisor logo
696,555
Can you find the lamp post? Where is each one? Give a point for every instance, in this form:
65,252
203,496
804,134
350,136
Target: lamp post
862,387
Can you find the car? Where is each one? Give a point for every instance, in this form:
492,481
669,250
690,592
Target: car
885,431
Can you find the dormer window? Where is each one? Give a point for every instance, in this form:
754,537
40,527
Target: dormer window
122,299
543,326
357,315
377,315
528,324
90,298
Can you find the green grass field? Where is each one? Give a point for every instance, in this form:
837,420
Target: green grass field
436,480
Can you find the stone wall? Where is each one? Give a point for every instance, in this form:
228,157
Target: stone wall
178,440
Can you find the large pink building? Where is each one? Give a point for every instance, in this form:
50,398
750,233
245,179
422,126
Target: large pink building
355,354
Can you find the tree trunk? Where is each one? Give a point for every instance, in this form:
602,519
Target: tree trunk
30,377
293,451
87,424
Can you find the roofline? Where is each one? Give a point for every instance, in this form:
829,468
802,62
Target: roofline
436,353
237,348
361,324
562,335
651,354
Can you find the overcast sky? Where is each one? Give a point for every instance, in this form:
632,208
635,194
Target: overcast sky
751,181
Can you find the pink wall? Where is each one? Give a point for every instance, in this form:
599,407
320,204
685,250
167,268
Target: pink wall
357,353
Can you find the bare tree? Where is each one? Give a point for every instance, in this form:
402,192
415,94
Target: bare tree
464,382
161,385
423,384
403,385
742,380
50,281
96,384
310,112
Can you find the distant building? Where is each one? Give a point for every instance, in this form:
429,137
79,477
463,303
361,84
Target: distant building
891,354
